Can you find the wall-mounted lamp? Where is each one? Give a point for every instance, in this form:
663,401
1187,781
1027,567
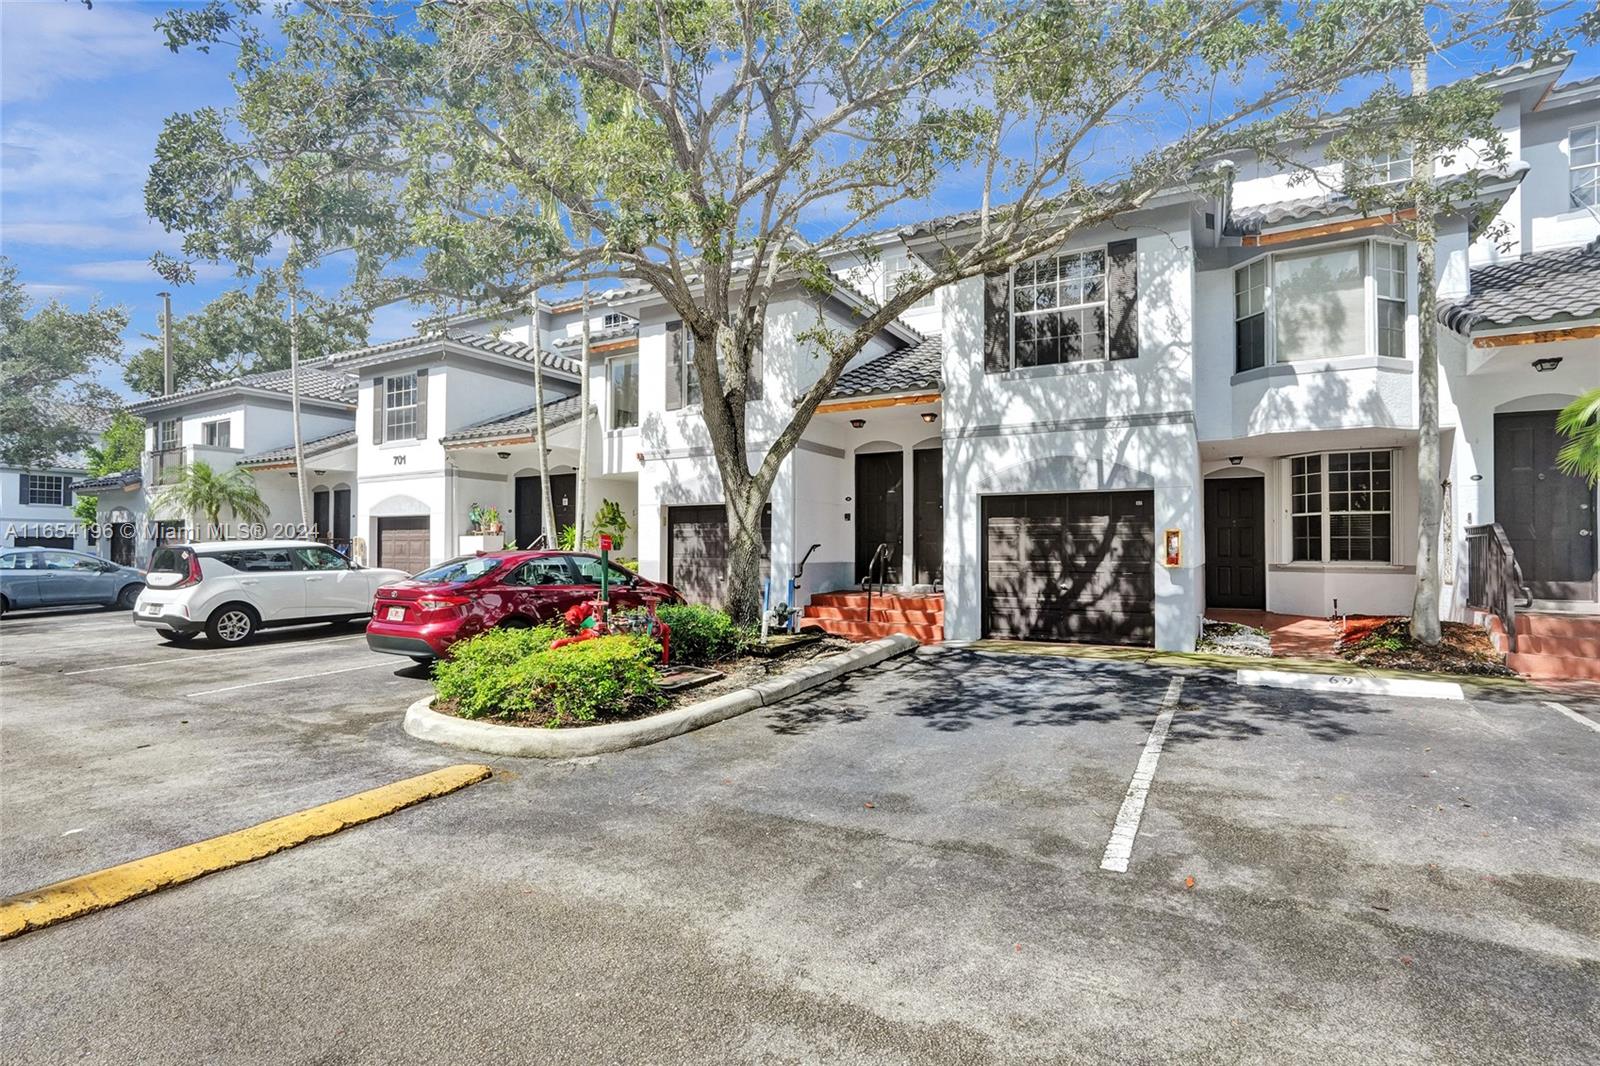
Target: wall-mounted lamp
1548,363
639,456
857,423
319,473
503,455
930,416
1235,460
294,474
1476,477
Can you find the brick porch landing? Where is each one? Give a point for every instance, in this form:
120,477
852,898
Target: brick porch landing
1292,635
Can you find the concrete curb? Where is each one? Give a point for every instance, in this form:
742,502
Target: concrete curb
424,723
78,896
1370,686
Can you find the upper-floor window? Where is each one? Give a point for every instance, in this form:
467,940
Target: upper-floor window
1390,168
400,407
218,434
169,434
1325,303
683,382
47,490
1583,151
897,265
1058,309
622,375
614,319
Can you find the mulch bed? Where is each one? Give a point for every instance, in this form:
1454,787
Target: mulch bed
1386,643
737,673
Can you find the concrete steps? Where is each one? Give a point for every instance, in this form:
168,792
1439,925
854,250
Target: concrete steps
1551,646
844,614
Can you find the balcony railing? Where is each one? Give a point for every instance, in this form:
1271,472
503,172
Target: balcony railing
166,465
1494,580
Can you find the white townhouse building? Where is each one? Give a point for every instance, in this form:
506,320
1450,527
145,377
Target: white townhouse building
36,506
1209,403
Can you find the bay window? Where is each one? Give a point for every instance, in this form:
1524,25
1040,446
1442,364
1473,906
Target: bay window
1058,309
1341,507
1323,303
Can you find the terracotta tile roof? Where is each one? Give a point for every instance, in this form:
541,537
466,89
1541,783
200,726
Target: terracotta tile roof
424,341
317,383
320,446
519,423
1548,287
918,368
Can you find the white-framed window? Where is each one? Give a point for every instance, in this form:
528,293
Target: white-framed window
218,434
622,377
614,319
1390,168
400,407
1058,309
897,265
1583,161
1321,303
47,490
1250,315
169,434
1341,507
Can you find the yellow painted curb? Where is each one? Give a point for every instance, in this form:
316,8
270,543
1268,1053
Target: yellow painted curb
78,896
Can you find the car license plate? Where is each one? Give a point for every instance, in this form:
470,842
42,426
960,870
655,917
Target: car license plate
152,608
397,614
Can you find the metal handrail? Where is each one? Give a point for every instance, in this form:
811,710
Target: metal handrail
1494,577
880,555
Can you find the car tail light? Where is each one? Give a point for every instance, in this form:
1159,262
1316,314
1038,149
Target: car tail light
191,576
438,602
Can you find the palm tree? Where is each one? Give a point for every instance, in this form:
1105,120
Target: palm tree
1579,422
201,490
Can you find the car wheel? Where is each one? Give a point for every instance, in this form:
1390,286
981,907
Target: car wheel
231,624
128,596
422,660
515,621
172,636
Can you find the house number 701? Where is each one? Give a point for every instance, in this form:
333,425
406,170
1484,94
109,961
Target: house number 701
399,460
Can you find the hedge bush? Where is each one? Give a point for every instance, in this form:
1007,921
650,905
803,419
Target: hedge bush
515,674
700,635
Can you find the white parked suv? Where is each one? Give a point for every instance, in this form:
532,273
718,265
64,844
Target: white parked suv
229,589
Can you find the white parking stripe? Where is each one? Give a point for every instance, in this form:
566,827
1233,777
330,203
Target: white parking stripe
1574,715
182,655
297,677
1119,849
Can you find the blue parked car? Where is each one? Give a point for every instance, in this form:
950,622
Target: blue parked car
52,577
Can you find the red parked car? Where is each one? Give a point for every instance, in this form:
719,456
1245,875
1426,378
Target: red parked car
421,617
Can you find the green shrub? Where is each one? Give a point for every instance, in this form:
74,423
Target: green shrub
700,635
515,674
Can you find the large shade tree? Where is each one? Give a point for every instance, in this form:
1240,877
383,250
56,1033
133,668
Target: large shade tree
720,149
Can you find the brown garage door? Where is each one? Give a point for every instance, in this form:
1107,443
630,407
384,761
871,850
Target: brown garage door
1072,567
697,550
403,543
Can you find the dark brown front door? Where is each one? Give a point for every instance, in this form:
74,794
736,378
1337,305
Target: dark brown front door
1547,515
697,550
403,543
1236,568
529,522
880,477
927,515
1075,566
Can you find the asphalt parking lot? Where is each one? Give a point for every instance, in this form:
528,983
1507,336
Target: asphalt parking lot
904,868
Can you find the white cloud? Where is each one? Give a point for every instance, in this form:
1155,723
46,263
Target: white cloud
37,157
131,232
44,293
136,270
48,44
393,322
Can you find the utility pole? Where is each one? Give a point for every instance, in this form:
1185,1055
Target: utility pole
547,514
583,430
166,343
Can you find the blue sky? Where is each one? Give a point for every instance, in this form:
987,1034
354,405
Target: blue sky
83,94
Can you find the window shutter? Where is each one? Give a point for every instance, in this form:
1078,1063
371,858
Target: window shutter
757,376
1122,298
377,410
674,366
422,403
22,496
997,321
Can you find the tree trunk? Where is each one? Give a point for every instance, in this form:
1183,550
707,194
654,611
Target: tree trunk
742,600
294,411
547,514
1425,628
581,518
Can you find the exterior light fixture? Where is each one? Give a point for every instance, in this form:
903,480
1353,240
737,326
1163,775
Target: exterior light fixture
930,416
1547,364
639,456
503,455
1235,460
319,473
857,423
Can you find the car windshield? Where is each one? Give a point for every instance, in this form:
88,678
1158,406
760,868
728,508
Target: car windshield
465,568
